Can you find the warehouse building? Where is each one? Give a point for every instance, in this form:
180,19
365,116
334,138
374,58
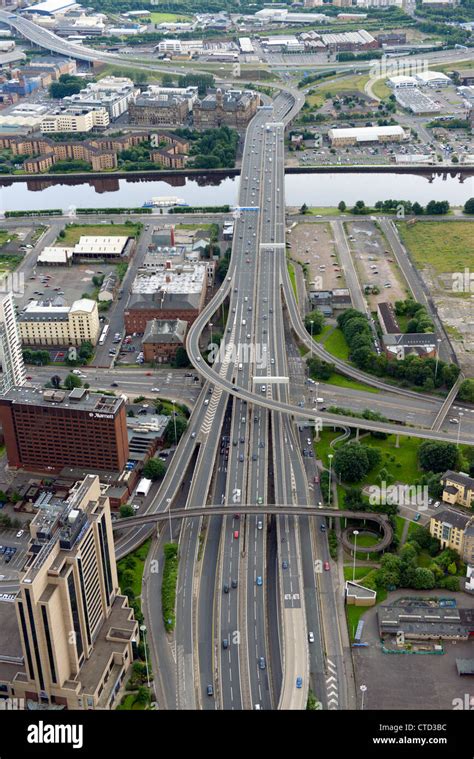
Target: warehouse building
364,135
51,7
433,79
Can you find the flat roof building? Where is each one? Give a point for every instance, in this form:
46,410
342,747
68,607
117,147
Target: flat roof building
433,79
46,430
361,135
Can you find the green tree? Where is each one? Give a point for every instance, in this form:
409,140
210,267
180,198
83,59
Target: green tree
126,511
466,390
154,469
434,456
469,206
181,425
318,322
423,579
143,696
181,359
342,206
72,381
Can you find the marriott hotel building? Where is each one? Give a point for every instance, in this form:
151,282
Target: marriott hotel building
53,429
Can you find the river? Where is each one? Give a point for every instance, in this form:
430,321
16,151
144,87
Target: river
314,189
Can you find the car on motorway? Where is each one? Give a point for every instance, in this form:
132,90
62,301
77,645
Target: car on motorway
311,637
259,525
28,377
155,389
299,682
236,534
261,662
259,500
114,384
326,566
225,643
234,583
241,457
259,581
226,588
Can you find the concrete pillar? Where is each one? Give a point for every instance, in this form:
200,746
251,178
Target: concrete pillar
397,441
357,433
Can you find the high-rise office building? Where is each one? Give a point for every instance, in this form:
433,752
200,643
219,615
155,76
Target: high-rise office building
75,629
11,356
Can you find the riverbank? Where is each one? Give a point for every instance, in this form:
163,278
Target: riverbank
420,169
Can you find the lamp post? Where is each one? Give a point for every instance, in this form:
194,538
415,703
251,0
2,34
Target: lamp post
461,414
311,322
355,534
317,394
168,500
210,327
174,423
330,455
363,689
143,630
438,340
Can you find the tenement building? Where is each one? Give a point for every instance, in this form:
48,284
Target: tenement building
70,632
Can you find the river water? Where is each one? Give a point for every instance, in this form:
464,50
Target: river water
314,189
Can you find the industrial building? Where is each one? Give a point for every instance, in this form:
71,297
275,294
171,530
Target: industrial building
51,7
53,323
47,430
67,640
425,621
433,79
363,135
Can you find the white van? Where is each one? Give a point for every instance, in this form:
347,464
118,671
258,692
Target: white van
240,367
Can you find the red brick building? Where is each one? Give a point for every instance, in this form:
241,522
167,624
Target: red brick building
49,430
144,308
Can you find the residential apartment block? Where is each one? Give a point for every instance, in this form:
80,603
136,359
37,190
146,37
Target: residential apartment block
70,632
11,357
456,531
75,119
112,93
53,323
458,487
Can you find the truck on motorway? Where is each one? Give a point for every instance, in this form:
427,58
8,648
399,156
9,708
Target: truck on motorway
143,487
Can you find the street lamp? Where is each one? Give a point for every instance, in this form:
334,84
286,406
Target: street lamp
330,455
363,689
461,414
143,630
317,394
174,422
210,327
355,534
311,322
168,500
438,340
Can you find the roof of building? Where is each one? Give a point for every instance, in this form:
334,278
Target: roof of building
165,331
460,477
362,134
51,6
453,518
165,301
386,313
432,76
356,590
410,339
425,620
84,401
465,666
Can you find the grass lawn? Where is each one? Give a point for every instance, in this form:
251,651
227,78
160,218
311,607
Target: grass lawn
336,345
446,246
360,572
324,211
75,231
365,541
341,84
401,463
163,18
322,446
380,89
341,381
399,526
319,338
130,703
291,271
4,236
139,558
424,559
354,613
